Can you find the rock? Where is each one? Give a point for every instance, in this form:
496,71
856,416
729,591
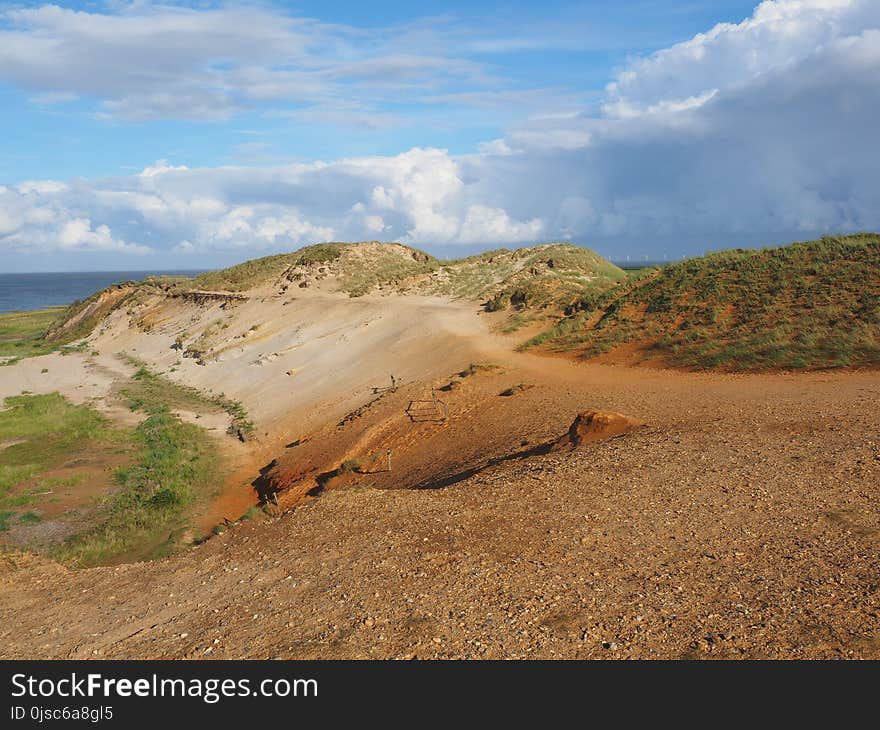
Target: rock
595,426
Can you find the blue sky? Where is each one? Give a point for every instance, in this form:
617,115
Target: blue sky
562,52
137,135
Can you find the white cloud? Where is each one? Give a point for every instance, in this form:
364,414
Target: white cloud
160,168
779,33
33,220
151,61
374,223
491,225
79,234
751,131
41,186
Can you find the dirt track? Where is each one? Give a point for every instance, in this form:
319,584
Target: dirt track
740,522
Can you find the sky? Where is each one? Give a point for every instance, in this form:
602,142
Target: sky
143,135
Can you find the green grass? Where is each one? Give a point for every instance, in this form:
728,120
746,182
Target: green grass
151,392
43,432
21,333
320,253
47,426
255,272
549,280
172,467
381,268
549,275
810,305
177,466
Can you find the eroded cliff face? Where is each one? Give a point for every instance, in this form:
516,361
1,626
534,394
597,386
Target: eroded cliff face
82,317
295,358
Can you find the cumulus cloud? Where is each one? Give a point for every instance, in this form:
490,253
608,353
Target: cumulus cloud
785,150
417,196
779,34
36,217
748,132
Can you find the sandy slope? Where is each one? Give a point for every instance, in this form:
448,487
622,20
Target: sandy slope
740,521
296,361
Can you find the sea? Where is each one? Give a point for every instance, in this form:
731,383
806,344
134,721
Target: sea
27,292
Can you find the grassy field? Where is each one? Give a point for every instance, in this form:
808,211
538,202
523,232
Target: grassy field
21,333
126,493
41,434
176,467
810,305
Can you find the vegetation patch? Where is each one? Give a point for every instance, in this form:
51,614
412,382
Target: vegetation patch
320,253
122,494
151,392
246,275
46,434
254,273
386,267
22,333
810,305
176,467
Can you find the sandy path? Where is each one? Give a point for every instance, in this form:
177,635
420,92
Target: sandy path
69,375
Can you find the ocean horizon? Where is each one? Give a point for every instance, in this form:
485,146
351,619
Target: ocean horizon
33,291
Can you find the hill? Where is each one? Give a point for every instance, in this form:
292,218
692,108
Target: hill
356,268
526,283
809,305
536,277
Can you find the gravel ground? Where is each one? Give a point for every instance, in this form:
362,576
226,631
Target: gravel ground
741,522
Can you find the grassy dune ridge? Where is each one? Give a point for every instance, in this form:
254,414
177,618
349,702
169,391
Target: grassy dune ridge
809,305
360,268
